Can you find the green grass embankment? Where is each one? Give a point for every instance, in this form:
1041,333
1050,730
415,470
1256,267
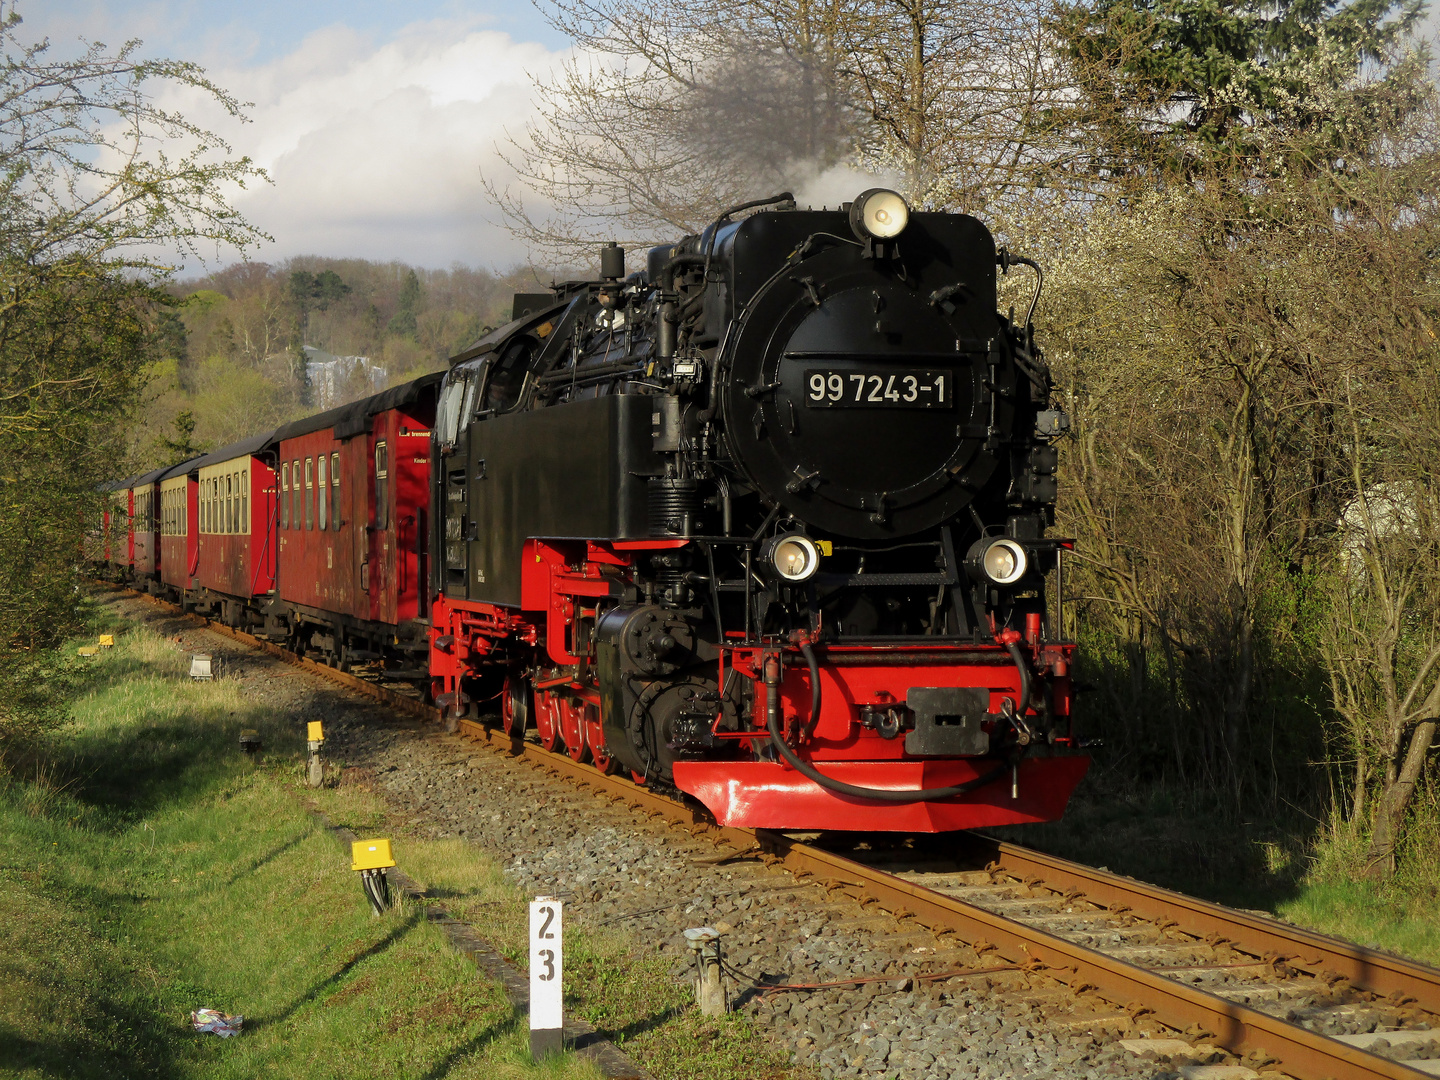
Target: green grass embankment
150,869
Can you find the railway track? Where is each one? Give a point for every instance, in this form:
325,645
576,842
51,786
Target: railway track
1280,998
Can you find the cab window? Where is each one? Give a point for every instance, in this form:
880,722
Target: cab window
507,376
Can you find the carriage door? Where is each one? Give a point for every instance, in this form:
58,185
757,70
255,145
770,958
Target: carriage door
382,538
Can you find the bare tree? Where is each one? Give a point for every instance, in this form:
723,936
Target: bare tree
663,118
957,97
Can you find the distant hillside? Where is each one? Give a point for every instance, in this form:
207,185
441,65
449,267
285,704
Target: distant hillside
234,357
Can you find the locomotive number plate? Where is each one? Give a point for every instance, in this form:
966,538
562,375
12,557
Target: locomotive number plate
889,389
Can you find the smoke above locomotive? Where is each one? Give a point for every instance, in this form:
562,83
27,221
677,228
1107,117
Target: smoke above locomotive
765,519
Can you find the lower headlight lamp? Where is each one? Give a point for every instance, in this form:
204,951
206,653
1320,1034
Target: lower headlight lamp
795,557
997,560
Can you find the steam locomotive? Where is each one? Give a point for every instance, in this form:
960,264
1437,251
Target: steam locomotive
763,521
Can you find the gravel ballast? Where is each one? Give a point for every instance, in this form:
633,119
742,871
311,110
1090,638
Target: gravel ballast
650,880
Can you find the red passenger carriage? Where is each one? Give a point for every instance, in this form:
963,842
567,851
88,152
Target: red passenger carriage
179,528
235,514
352,528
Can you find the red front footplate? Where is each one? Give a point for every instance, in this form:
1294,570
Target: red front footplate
770,795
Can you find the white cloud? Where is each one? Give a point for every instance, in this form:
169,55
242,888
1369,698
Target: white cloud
377,150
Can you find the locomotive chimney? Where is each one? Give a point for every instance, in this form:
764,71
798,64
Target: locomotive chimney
612,262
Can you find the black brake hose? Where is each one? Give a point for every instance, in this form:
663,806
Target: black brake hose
842,788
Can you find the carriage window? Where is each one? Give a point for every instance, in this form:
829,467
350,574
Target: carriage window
295,494
204,509
382,485
243,525
309,493
335,491
227,510
285,495
323,490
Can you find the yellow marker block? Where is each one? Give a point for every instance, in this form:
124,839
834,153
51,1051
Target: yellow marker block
370,855
88,650
316,731
107,640
825,546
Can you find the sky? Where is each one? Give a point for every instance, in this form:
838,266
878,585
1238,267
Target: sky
375,121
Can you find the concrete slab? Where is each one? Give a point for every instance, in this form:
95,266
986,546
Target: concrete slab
1166,1047
1394,1038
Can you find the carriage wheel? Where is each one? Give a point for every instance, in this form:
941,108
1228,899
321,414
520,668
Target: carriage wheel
595,740
515,705
547,720
572,728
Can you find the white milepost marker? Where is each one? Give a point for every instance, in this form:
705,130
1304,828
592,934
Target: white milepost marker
547,1010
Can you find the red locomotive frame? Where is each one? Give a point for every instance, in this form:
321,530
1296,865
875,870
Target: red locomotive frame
561,579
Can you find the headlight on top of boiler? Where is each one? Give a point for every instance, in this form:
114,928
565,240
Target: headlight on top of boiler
879,214
997,560
793,556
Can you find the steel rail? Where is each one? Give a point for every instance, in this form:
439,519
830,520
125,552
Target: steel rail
1301,949
1238,1028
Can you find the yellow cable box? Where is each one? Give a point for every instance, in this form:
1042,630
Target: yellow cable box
316,731
370,855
